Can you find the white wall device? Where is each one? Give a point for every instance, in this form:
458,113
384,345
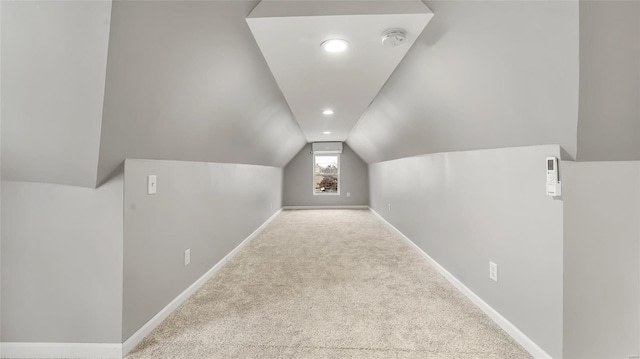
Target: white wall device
394,37
554,186
493,271
151,184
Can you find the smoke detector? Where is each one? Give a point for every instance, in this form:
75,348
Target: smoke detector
394,37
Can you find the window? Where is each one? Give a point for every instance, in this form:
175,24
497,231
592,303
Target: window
326,174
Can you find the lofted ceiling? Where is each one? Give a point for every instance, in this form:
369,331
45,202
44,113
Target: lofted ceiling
311,79
185,81
485,74
86,84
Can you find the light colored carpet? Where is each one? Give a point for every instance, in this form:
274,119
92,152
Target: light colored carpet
328,284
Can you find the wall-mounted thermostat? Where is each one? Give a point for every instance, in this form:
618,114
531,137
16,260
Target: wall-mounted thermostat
554,186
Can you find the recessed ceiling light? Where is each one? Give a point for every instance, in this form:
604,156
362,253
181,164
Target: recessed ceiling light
327,112
335,45
326,133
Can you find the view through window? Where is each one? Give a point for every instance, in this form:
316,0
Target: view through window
326,174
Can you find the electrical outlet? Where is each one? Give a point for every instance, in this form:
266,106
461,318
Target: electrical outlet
271,205
151,184
493,271
187,257
389,207
348,194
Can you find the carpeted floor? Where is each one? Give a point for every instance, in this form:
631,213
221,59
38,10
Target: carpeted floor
328,284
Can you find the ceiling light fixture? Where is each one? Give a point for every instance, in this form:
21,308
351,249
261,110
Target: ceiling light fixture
327,112
335,45
326,133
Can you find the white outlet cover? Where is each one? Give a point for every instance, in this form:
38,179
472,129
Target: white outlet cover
187,257
493,271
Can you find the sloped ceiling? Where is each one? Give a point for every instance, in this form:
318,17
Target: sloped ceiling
484,74
312,79
54,56
186,81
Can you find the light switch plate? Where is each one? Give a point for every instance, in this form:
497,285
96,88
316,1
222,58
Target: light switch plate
151,184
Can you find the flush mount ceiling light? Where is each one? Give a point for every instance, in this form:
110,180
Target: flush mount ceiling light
326,133
393,37
335,45
327,112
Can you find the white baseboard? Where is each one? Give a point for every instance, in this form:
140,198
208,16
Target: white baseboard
325,207
118,350
61,350
528,344
146,329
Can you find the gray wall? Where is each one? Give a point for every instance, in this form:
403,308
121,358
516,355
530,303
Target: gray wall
298,181
483,74
465,209
601,259
62,263
53,75
207,207
0,187
609,81
186,81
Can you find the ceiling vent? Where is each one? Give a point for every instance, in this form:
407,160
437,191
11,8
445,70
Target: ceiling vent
394,37
326,147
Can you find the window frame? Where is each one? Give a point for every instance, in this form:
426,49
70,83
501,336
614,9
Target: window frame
313,175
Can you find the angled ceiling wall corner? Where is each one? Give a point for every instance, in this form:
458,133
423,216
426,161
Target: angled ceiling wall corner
290,35
609,115
185,81
486,74
53,77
